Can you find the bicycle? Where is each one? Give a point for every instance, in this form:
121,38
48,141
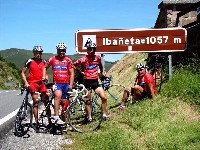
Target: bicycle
158,71
24,118
76,113
112,89
44,111
108,87
47,124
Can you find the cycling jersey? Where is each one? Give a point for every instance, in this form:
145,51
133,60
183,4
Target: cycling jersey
143,80
60,68
90,66
35,67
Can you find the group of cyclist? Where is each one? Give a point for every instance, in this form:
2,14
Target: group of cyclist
63,78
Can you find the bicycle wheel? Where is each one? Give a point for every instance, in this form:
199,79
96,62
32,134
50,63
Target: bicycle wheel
114,95
96,113
158,76
44,114
76,115
23,120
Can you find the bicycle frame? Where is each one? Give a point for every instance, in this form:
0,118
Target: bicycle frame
158,70
23,120
77,116
106,85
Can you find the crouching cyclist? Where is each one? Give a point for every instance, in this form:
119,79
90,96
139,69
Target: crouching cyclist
145,87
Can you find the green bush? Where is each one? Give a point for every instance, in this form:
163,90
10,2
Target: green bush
185,84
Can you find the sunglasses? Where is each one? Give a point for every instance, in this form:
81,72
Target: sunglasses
38,53
140,69
91,49
62,50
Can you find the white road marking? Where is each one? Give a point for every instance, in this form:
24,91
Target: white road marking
9,116
6,118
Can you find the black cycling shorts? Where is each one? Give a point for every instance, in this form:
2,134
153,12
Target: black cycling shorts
91,84
144,94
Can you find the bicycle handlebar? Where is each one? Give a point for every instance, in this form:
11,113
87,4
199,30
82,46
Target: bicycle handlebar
105,82
49,85
22,90
107,78
80,88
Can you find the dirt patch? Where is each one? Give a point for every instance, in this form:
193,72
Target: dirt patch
184,110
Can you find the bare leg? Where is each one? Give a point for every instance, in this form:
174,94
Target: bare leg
57,99
126,95
35,107
88,105
102,95
45,99
137,92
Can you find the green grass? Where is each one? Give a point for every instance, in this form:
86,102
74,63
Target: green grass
160,124
184,84
170,122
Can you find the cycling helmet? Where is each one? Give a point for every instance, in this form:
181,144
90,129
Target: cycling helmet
61,46
37,49
140,66
90,44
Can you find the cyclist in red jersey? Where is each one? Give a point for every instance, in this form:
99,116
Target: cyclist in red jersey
34,82
91,63
63,77
145,87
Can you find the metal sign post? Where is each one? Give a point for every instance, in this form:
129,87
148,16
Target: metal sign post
103,62
170,66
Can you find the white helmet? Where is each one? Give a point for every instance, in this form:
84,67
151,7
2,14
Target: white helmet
61,46
37,49
140,66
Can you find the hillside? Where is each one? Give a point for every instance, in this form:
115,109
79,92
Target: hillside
9,75
19,56
123,71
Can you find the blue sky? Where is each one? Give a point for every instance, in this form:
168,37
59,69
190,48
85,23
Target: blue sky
25,23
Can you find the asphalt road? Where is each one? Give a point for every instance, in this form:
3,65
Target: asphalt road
9,104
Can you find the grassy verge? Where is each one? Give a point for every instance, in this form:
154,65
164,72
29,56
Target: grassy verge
169,122
160,124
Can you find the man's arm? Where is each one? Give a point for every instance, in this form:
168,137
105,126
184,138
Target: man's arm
23,75
101,69
44,71
150,85
71,78
75,64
